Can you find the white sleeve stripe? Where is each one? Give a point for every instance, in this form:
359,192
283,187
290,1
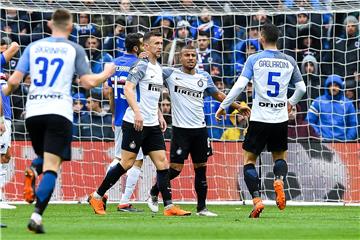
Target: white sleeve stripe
313,110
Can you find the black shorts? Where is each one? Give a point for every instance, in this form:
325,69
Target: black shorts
149,139
272,135
50,133
185,141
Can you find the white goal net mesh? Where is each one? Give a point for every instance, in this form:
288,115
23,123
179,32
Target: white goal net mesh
322,35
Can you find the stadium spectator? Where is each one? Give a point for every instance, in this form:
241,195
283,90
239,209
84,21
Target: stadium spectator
215,128
298,128
243,50
82,29
310,72
332,115
208,59
96,125
247,95
308,43
165,107
97,57
15,25
346,56
5,43
79,102
133,23
172,50
237,132
40,28
165,24
114,43
205,23
298,25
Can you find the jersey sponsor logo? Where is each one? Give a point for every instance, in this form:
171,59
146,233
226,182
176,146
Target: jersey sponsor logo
122,68
272,105
200,83
273,64
155,87
45,96
189,92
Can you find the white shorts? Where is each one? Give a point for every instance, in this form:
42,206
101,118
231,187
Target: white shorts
5,139
118,140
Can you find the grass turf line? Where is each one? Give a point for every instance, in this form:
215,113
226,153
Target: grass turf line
79,222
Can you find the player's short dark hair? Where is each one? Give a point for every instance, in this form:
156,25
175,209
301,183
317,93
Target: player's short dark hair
132,40
270,32
188,47
61,17
203,33
151,34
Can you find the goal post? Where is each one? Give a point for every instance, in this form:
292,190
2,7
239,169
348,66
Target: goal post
314,32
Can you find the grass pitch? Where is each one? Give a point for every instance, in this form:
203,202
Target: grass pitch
79,222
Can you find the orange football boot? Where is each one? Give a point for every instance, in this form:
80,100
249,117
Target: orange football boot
176,211
96,204
258,208
280,194
29,185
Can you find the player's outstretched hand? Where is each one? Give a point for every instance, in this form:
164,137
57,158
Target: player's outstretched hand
245,111
219,113
138,121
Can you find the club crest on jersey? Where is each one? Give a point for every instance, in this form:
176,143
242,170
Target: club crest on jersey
200,83
134,70
132,145
179,151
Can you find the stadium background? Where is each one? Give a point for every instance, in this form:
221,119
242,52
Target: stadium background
321,168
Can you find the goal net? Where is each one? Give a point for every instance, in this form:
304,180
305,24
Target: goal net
322,36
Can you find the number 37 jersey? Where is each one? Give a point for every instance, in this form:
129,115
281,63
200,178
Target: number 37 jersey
52,63
271,71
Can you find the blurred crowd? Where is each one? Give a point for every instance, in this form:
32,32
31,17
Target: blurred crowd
325,45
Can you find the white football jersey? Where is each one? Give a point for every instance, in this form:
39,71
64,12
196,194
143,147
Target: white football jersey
187,96
149,83
271,71
52,63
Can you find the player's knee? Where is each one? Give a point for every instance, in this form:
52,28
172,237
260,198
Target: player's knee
127,164
176,166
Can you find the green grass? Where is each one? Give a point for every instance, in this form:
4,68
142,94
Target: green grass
78,222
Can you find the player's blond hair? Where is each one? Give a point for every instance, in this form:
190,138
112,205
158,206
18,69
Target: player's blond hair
60,19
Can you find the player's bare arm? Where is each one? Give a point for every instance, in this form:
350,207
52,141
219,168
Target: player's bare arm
234,92
11,51
93,80
130,96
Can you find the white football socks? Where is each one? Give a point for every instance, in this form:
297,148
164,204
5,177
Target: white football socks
132,177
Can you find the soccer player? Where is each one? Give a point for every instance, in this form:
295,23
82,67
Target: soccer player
118,106
52,63
272,71
187,87
142,126
5,139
